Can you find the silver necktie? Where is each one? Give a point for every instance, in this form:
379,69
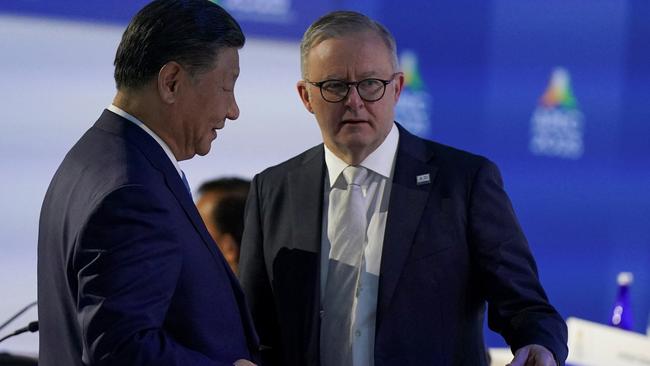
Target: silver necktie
347,225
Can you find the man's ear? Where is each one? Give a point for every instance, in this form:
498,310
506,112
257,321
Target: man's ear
399,85
304,95
168,81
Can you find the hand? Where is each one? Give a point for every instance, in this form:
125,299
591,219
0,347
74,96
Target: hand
533,355
243,363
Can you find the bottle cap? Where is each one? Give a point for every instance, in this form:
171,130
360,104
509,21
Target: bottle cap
625,278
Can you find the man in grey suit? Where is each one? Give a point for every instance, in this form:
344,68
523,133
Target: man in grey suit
378,247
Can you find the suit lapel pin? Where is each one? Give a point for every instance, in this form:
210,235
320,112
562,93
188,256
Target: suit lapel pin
423,179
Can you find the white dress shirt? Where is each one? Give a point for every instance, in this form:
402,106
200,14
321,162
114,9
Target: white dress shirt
113,108
376,189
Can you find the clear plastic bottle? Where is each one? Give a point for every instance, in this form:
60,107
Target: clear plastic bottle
622,312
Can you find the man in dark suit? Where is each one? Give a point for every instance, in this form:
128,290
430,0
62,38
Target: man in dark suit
127,272
378,247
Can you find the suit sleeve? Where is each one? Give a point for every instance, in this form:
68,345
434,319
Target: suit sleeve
255,281
517,305
128,260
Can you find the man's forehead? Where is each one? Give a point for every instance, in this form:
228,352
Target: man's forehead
349,48
360,65
227,57
228,66
231,73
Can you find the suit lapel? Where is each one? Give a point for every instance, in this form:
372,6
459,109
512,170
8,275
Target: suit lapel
306,197
184,198
306,207
407,202
176,185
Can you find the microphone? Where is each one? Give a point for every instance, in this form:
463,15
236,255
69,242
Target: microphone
18,314
31,327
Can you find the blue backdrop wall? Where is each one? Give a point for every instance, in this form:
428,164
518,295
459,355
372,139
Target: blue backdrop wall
557,93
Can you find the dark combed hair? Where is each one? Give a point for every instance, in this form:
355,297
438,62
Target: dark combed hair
190,32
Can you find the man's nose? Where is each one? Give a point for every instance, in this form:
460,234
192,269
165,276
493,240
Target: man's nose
353,99
233,111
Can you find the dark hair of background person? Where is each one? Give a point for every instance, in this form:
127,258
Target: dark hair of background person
230,184
190,32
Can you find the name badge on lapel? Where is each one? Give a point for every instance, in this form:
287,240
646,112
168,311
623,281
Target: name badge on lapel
423,179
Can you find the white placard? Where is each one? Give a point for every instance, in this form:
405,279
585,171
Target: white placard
593,344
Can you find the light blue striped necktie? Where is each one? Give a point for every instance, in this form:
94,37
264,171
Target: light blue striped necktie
187,185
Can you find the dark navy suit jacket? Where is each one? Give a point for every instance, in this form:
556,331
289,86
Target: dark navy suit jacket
127,272
451,245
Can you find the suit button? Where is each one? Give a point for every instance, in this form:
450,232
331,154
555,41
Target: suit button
357,333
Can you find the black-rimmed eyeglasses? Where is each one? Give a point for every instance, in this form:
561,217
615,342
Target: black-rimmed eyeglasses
370,90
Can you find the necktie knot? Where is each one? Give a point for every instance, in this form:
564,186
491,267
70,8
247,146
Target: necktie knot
354,175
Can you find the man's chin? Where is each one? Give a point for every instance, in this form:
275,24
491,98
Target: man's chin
356,140
203,150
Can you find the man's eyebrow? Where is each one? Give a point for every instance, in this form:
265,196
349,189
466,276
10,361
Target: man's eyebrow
332,77
365,75
368,74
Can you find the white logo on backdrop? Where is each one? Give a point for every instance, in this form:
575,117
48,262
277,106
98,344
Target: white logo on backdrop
270,11
557,126
414,107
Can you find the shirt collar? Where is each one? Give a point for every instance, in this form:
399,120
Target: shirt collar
380,161
117,110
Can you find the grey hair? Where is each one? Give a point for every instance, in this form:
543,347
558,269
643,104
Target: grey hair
338,24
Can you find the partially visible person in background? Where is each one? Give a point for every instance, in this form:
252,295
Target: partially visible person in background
221,204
